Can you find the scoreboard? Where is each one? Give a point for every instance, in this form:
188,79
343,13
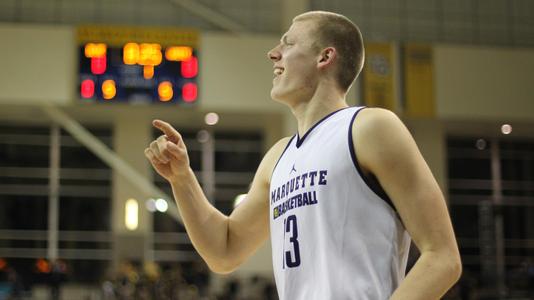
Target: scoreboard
137,65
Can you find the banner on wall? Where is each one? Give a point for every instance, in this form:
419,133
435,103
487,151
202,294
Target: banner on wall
378,76
419,81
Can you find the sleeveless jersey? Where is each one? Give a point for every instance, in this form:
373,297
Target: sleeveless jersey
332,236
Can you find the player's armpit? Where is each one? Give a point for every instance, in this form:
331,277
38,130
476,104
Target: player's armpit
386,149
248,225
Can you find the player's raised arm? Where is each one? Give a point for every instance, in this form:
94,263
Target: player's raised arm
223,242
386,149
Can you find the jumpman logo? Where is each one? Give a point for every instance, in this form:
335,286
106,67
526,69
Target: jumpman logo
293,169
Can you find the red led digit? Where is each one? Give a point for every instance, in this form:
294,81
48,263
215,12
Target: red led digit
98,65
87,88
190,67
189,92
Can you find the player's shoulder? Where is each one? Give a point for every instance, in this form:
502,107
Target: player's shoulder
278,148
375,123
376,116
271,157
379,134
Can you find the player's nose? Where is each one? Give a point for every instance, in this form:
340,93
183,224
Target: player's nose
274,54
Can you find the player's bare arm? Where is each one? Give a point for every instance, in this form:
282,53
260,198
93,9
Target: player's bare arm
386,149
224,242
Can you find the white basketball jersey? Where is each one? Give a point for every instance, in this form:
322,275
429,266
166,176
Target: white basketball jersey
332,236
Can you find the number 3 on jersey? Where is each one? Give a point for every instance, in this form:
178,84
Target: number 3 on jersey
292,257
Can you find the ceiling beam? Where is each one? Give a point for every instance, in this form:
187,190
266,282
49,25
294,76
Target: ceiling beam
110,157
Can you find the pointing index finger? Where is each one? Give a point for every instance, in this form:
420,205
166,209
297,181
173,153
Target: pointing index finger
166,128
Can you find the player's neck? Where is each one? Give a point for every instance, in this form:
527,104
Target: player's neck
320,105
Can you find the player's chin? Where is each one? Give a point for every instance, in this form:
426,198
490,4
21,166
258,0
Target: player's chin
275,95
278,98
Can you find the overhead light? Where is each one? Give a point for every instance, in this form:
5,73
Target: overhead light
481,144
211,118
150,205
162,205
506,129
131,218
203,136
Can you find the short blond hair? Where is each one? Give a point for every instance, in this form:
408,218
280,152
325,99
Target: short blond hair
335,30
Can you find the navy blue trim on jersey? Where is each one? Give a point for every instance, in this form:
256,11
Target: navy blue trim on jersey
371,182
301,140
287,146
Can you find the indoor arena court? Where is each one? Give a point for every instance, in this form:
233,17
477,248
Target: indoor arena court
85,215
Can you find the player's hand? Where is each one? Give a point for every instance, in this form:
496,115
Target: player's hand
168,154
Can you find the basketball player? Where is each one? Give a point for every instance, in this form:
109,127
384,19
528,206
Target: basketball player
340,199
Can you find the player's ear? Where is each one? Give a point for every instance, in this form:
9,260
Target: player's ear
326,57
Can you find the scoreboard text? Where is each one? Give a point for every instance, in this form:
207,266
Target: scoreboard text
138,65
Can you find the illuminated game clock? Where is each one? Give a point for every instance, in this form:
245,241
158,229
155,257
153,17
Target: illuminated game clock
137,65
